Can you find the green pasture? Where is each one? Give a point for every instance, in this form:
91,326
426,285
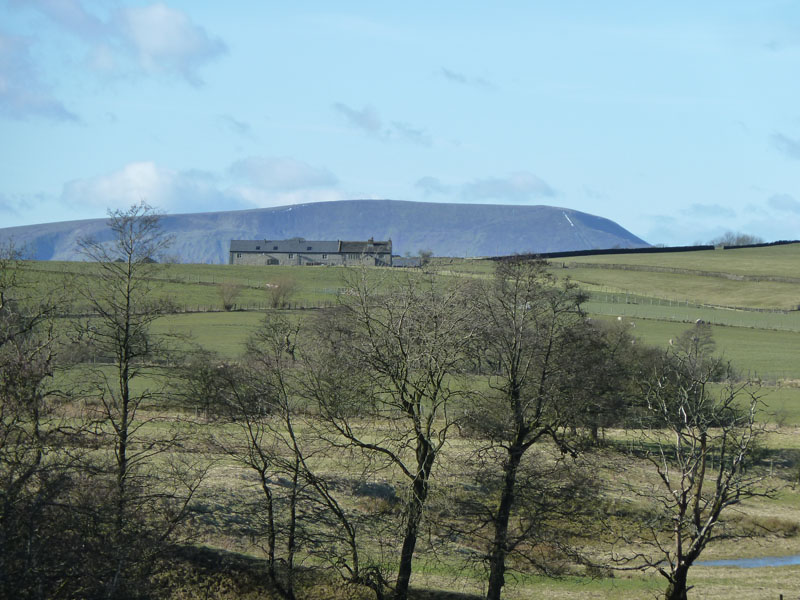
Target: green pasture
193,288
771,261
222,332
686,287
782,405
770,355
462,266
643,307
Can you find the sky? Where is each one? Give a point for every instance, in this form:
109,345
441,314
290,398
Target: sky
678,120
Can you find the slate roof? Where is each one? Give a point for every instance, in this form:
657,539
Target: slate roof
368,247
406,261
297,245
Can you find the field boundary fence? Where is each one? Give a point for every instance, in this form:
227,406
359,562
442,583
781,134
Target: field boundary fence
615,303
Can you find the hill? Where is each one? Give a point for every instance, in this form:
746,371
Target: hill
446,229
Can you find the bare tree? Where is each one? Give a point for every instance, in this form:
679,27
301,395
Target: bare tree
280,291
730,238
146,505
534,342
698,437
34,473
263,397
229,292
391,354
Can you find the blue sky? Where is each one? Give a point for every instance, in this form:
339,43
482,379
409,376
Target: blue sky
679,120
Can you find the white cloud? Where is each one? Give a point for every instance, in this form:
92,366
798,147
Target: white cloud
169,190
268,182
516,187
153,39
165,40
22,93
284,174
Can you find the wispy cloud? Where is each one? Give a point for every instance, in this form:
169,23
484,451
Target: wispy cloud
784,202
411,134
68,14
516,187
236,126
22,93
788,146
282,174
432,185
708,210
467,80
7,206
365,119
594,194
368,121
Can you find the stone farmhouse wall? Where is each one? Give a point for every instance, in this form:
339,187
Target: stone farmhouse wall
302,253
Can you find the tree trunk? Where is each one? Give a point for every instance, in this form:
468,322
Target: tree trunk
270,526
291,542
425,458
498,552
413,518
676,589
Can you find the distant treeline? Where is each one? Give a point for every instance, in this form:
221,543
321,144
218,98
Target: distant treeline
647,250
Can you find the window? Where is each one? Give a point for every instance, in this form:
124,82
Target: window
238,255
291,255
258,247
308,247
324,256
274,247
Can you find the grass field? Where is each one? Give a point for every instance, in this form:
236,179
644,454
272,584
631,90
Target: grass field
760,343
657,306
690,287
778,261
768,354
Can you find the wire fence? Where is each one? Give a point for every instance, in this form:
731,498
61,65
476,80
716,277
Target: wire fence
646,307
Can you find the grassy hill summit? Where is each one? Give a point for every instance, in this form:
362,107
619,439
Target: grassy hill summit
445,229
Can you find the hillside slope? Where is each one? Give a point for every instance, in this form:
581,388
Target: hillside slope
446,229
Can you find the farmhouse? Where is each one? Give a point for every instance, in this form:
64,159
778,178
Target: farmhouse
299,251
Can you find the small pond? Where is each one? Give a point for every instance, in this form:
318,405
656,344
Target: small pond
751,563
